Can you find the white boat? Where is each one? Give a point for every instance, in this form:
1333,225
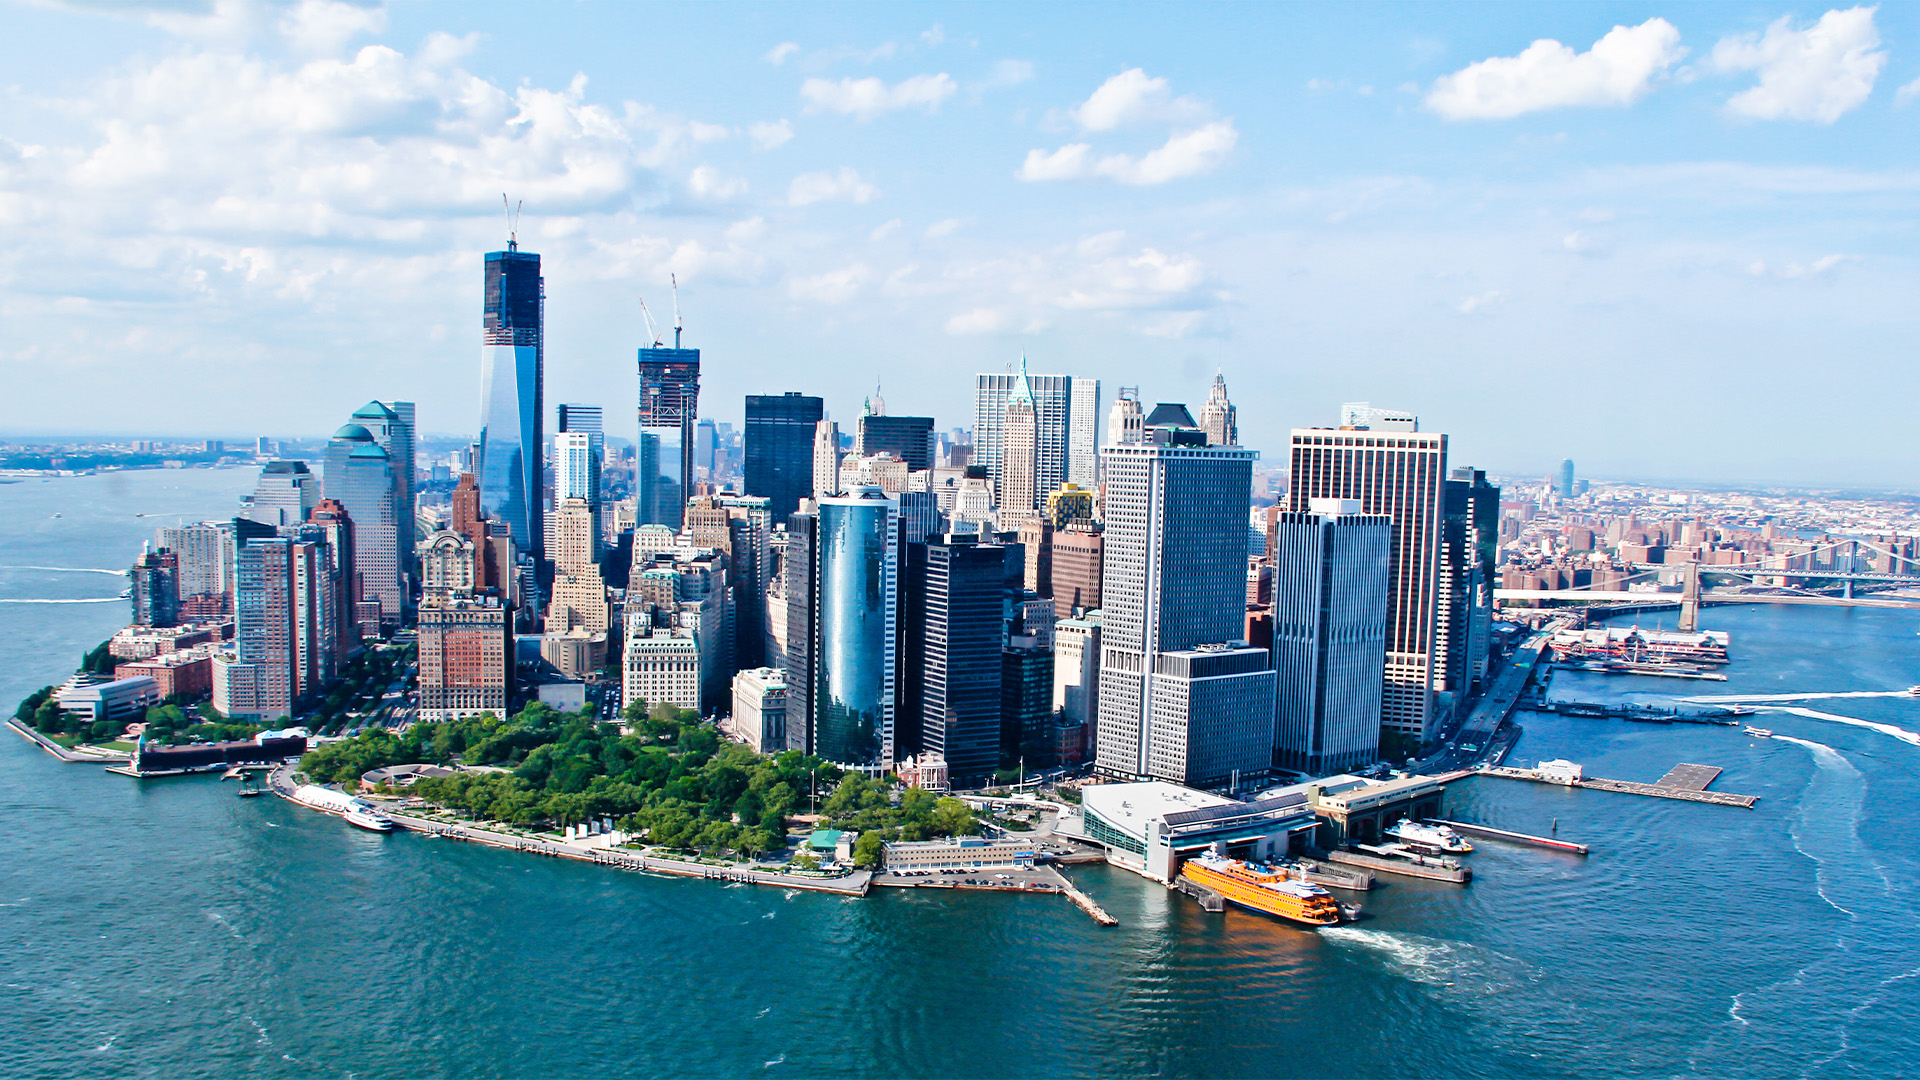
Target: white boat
356,811
368,818
1759,732
1433,836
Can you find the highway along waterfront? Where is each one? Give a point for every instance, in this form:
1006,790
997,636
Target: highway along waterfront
166,928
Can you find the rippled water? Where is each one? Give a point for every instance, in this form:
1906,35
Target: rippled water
166,928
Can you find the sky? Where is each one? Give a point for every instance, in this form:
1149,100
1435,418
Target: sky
1665,240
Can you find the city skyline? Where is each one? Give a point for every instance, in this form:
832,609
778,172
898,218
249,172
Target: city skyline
1670,209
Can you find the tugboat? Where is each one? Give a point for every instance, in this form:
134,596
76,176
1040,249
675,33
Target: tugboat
1415,834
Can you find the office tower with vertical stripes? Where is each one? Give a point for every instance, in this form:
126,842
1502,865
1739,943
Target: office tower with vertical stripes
1181,698
951,628
1386,463
510,462
1329,635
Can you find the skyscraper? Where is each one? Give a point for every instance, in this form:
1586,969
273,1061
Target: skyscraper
155,588
950,636
1218,418
205,551
669,408
391,425
577,458
1083,433
359,476
826,459
1565,484
909,438
1329,635
856,595
284,493
1398,471
1019,489
1469,540
779,449
285,626
1181,698
512,447
1126,423
797,586
1054,428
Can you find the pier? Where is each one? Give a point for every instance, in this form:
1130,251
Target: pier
1417,866
1660,790
1646,714
1210,900
1512,837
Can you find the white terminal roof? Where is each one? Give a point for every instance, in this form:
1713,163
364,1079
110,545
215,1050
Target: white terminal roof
1134,807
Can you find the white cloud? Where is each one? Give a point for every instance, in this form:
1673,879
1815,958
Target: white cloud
943,228
1577,241
832,287
1907,93
1818,74
984,320
867,98
885,230
325,26
1187,153
706,182
1619,70
770,135
816,187
781,53
1478,303
1133,97
934,35
1794,271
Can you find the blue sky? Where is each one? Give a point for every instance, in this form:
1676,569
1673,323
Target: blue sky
1662,239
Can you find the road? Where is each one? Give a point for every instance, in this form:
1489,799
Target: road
1493,709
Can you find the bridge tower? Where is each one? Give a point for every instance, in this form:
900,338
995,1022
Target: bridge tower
1690,600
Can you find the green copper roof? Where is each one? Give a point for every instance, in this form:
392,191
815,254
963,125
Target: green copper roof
354,432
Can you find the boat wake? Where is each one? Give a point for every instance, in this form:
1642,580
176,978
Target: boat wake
1911,738
81,600
1436,962
69,570
1735,699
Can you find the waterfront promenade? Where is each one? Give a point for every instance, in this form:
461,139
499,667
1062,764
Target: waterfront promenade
81,755
854,883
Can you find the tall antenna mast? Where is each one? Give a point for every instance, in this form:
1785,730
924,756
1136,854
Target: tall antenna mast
513,222
674,278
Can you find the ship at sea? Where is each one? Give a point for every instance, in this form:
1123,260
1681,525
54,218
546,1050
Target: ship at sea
1265,889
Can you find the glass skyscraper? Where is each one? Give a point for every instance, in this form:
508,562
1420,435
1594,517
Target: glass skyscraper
512,396
778,445
856,596
669,407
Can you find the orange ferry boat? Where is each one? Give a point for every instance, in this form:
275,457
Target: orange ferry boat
1264,889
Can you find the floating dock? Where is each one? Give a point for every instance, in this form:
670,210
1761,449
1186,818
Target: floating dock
1431,870
1512,837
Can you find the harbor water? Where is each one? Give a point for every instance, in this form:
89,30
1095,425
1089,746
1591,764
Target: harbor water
165,928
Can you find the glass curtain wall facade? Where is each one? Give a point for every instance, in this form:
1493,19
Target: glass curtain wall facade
512,447
778,445
857,597
669,408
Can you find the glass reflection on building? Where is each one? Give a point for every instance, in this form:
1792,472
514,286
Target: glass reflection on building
853,692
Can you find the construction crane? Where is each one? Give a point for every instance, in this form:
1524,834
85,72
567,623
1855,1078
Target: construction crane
652,334
675,279
513,222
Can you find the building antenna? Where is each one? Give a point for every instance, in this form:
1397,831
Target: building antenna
513,222
674,278
652,334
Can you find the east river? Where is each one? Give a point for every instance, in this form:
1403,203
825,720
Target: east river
165,928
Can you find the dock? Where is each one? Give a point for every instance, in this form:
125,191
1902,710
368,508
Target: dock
1334,877
1210,900
1085,903
1660,790
1616,667
1645,714
1417,867
1690,777
1512,837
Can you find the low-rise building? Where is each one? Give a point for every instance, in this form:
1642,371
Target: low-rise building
180,674
1354,810
1150,827
959,853
760,710
118,700
140,642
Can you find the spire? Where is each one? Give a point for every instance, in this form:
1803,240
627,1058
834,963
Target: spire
1022,389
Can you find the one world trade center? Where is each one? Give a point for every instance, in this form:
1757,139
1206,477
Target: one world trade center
512,397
